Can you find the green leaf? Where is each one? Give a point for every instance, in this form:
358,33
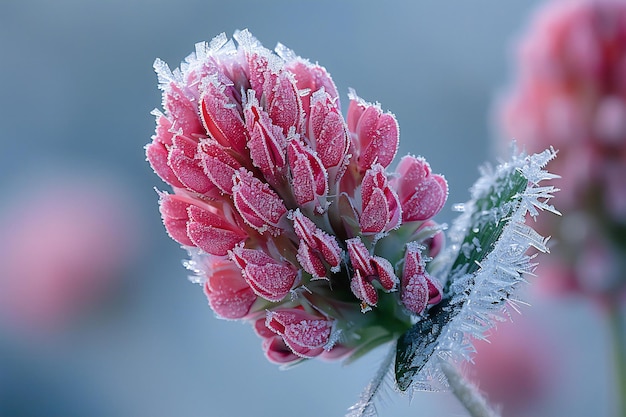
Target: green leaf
417,344
491,213
495,199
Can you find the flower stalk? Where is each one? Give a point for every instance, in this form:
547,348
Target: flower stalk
467,393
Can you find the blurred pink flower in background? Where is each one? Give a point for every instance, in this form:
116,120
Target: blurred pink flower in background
571,93
289,213
65,242
516,367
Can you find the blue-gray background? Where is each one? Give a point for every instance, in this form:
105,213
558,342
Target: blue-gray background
76,90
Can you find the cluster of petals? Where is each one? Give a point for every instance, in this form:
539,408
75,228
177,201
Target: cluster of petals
288,207
570,92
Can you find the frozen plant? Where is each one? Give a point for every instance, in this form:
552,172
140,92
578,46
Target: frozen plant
295,223
570,91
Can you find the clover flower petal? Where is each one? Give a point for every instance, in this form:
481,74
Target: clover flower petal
228,293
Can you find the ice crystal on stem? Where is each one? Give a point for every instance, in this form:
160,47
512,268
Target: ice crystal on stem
295,224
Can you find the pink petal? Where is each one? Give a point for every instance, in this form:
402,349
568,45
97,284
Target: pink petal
421,194
304,333
222,118
163,132
413,262
213,233
317,239
381,210
329,248
260,61
218,165
416,281
157,154
435,289
182,160
182,112
363,289
228,293
360,256
375,215
304,227
327,130
309,177
257,203
384,270
427,200
310,262
268,278
355,110
261,329
377,133
311,78
415,293
278,352
284,104
267,142
174,214
379,136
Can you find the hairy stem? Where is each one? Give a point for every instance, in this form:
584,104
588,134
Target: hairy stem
467,393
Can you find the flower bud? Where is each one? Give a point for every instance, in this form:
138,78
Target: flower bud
218,164
381,210
182,161
316,243
269,278
367,269
267,142
310,78
421,193
327,133
283,103
273,345
209,228
309,177
376,133
182,112
222,117
157,154
304,333
257,203
261,64
212,231
419,289
174,213
228,293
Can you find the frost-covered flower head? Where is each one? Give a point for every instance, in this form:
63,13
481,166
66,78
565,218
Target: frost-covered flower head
294,222
570,92
290,213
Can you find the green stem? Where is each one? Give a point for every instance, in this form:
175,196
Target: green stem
618,333
467,393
